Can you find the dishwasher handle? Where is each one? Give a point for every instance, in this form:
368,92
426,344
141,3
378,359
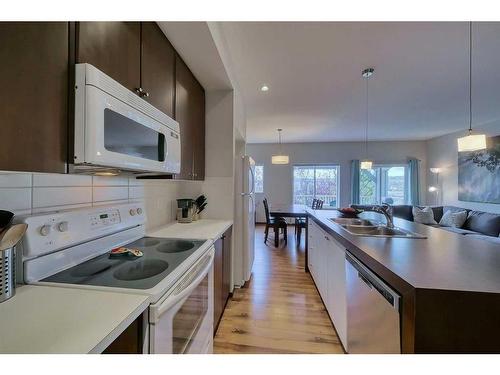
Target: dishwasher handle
374,283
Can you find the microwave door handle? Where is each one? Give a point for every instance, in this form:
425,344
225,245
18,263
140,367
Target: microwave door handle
180,294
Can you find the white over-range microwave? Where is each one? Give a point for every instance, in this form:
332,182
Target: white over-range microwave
116,131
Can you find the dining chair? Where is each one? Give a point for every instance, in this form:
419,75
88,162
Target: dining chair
300,223
276,223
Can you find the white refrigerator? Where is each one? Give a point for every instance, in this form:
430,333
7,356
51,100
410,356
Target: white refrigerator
248,216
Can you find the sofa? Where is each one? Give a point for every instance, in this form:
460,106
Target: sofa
479,225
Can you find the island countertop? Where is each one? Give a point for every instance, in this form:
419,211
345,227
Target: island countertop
449,284
443,260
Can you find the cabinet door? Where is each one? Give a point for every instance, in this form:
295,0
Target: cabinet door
313,240
336,301
322,270
184,102
226,276
34,96
218,276
112,47
199,132
157,68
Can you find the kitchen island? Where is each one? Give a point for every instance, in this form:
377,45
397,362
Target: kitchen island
449,284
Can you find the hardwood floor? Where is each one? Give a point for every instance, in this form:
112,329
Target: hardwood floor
280,311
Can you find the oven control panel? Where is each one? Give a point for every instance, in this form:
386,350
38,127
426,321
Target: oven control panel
104,218
49,232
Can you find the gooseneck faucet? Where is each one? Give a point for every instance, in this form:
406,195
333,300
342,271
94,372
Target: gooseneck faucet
384,209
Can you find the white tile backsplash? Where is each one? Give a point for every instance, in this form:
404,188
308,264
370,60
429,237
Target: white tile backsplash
110,181
55,180
15,199
9,180
109,193
60,196
25,193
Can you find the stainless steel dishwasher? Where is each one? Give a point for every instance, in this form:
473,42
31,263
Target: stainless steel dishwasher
372,312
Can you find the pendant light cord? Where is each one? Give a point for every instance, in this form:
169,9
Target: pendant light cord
470,77
366,129
279,142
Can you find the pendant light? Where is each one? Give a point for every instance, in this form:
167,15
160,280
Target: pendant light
471,142
280,158
366,163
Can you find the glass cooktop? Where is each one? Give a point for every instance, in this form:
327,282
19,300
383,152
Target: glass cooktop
161,257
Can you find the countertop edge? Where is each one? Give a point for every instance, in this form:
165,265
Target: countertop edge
117,331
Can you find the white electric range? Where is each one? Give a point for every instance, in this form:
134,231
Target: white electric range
71,249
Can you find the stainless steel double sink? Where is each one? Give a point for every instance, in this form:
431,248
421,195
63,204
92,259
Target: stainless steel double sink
369,228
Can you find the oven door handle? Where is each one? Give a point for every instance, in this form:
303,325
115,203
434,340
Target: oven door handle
187,284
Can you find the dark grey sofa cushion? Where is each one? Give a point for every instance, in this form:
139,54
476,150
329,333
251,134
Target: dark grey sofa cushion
457,230
483,222
403,211
484,238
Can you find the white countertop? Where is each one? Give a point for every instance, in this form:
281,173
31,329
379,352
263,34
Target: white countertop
40,319
205,229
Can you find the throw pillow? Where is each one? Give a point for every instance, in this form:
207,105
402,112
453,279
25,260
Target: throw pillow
423,215
453,219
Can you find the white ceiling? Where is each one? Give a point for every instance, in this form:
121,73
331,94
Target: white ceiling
419,89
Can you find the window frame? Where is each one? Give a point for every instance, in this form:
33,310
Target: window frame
315,166
255,179
380,183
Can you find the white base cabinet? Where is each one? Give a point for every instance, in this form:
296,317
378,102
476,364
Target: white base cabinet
326,261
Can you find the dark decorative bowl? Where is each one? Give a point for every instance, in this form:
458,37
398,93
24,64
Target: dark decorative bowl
349,212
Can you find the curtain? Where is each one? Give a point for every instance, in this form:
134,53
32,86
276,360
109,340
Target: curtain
355,164
414,181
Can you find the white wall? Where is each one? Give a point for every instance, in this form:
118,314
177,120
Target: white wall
442,152
278,178
27,193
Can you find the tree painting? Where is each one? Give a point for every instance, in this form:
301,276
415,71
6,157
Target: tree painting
479,174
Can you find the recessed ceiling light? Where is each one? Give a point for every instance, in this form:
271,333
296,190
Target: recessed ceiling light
264,88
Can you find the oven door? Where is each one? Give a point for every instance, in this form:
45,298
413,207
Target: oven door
120,136
182,322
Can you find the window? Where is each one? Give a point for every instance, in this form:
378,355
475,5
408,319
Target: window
259,179
320,182
383,184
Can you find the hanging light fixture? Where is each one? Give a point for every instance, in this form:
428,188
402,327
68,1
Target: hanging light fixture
366,163
280,158
471,142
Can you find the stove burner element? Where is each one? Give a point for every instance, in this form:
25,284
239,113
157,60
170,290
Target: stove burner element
176,246
146,242
90,269
141,270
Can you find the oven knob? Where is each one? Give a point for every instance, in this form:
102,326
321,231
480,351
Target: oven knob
45,230
139,211
63,226
132,212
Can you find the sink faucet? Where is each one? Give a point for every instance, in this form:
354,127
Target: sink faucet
384,209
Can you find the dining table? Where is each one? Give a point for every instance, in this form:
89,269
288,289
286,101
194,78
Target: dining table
293,211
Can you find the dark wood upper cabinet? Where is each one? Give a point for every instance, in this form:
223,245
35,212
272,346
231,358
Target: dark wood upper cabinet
112,47
34,96
190,114
183,102
199,132
158,68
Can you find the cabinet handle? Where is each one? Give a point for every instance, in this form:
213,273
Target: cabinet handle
140,91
